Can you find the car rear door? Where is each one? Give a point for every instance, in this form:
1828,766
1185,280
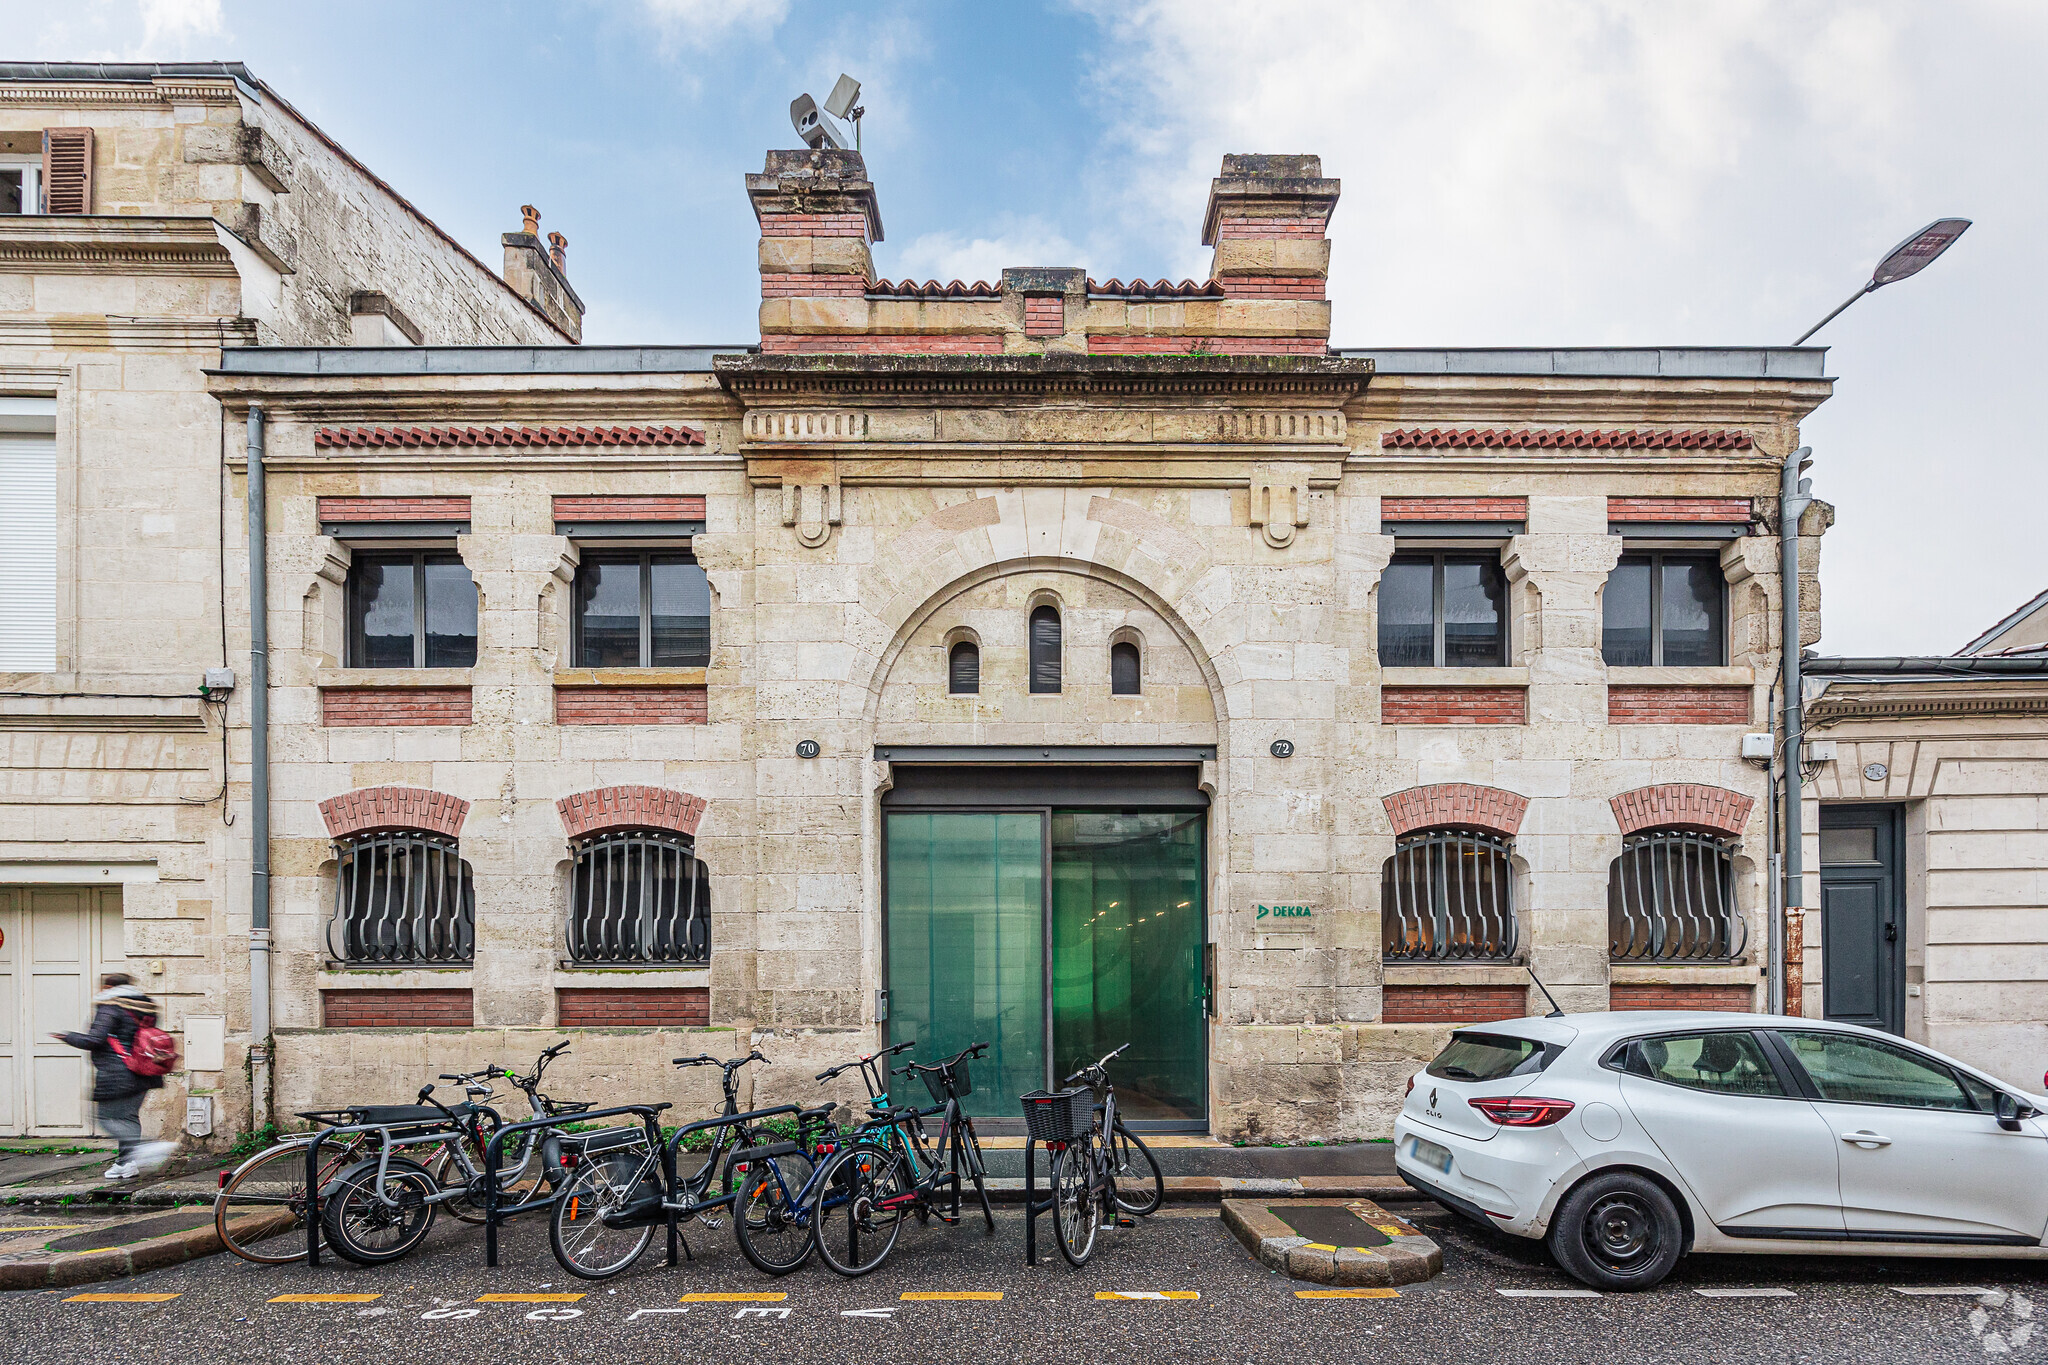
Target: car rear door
1921,1153
1755,1154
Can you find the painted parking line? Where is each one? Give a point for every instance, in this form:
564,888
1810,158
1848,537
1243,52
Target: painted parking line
732,1298
964,1295
326,1298
1758,1293
121,1298
527,1298
1548,1293
1148,1294
1347,1293
1941,1291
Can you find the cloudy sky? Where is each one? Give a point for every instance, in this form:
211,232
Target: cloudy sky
1515,173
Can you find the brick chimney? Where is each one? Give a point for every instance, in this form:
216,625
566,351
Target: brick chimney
818,219
539,277
1268,219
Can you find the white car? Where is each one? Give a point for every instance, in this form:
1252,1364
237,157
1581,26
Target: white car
1625,1140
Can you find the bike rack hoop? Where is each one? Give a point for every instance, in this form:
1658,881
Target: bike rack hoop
421,1132
494,1150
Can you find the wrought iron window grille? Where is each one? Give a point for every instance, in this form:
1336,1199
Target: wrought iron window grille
402,898
1671,898
639,897
1448,895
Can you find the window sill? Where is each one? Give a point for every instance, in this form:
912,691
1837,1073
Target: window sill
1455,677
630,677
1679,974
392,677
1741,675
1453,974
583,975
352,976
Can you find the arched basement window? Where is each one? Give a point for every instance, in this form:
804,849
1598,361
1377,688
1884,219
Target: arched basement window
1124,669
1671,898
1448,895
1045,649
963,668
639,895
402,896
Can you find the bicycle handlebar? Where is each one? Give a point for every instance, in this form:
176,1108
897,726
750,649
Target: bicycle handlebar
1094,1066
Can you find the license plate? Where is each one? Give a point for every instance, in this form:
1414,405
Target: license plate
1429,1154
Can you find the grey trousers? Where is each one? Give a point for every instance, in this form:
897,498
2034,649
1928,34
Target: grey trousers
122,1119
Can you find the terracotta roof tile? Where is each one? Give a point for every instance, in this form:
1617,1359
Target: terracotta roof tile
327,438
1157,289
932,289
1488,438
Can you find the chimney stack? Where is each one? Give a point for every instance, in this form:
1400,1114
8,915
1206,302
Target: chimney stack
1268,219
538,274
818,218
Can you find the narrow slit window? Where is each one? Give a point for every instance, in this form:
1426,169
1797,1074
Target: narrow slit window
963,668
1125,669
1045,649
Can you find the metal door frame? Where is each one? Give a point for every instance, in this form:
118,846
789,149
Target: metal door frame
1889,820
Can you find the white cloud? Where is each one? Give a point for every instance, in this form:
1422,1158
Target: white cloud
949,256
171,26
704,24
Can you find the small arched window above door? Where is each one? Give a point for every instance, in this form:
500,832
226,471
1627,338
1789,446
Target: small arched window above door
963,668
1045,649
1125,669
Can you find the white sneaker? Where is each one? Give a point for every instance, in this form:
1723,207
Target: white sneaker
118,1171
150,1155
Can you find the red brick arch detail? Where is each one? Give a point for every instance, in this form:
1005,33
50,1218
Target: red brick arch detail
374,808
630,807
1682,805
1463,804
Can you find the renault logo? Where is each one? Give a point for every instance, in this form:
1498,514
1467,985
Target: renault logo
1432,1097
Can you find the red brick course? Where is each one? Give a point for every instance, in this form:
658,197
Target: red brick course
369,808
686,507
396,1009
630,706
1681,805
1045,316
1463,805
1454,509
393,509
814,225
630,807
1270,227
1735,999
1454,706
357,706
786,286
421,438
1187,345
973,343
1452,1004
1733,511
1275,286
1633,705
1471,438
633,1007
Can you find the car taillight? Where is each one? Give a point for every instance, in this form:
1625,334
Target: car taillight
1521,1111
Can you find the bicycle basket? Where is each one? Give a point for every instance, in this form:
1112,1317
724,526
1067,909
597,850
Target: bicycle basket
1058,1115
961,1082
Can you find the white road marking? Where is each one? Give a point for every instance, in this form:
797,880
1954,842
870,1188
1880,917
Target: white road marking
637,1312
1548,1293
441,1314
762,1313
886,1314
1942,1291
553,1314
1760,1293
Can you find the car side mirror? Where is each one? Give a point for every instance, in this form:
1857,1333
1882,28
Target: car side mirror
2010,1111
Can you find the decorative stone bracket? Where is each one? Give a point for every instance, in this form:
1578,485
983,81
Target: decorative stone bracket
1279,506
813,509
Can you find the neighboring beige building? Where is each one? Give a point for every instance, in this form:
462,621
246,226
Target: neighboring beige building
151,217
1928,839
1045,660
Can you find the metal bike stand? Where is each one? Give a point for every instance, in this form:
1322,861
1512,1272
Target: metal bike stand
1033,1207
423,1131
676,1211
494,1150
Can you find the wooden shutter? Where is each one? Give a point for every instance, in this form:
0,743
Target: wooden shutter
67,170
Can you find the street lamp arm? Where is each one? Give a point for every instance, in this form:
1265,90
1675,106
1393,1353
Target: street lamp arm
1837,313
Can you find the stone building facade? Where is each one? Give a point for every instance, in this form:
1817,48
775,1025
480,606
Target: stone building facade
153,217
873,684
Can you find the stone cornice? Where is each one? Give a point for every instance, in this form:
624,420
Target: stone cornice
1929,699
112,245
1766,408
119,94
96,333
926,380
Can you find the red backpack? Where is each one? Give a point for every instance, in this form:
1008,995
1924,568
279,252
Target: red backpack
154,1054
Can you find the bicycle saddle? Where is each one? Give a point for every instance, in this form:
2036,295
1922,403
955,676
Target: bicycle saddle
817,1115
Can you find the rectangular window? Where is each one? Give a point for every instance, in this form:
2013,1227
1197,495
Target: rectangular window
20,186
1443,611
28,548
649,609
411,610
1665,611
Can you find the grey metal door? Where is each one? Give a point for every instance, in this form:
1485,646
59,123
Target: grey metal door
1863,921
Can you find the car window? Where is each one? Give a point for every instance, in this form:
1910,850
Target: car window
1726,1063
1865,1071
1982,1093
1488,1057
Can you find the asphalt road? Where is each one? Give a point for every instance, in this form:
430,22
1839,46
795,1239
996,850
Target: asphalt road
429,1308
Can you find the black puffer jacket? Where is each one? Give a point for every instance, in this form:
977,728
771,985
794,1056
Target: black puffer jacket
111,1078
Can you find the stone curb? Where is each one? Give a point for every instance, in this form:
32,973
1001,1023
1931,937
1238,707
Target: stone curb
1198,1189
62,1269
1408,1258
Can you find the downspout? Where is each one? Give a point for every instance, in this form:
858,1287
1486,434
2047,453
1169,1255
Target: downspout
1794,496
259,786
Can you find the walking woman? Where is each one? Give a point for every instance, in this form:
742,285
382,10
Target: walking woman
119,1012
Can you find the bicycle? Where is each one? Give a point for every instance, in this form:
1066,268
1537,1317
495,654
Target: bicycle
461,1161
1094,1171
604,1218
868,1186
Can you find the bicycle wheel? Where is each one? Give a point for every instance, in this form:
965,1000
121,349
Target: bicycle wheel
1140,1188
585,1242
516,1184
1074,1195
371,1227
260,1213
771,1228
860,1206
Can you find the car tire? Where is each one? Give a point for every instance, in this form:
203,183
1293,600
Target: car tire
1618,1231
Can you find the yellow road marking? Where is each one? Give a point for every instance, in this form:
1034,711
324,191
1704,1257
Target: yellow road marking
94,1251
732,1298
121,1298
1390,1230
326,1298
1148,1294
1318,1246
1347,1293
527,1298
971,1295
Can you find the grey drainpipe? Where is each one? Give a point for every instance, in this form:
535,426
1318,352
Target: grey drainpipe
1794,495
259,785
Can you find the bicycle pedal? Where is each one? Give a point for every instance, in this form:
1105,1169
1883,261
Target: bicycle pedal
1124,1222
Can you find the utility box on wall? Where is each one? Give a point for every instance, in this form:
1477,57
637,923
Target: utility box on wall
199,1115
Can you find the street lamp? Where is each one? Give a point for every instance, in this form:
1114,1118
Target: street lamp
1909,257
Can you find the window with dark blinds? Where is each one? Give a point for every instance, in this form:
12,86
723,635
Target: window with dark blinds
1124,671
963,668
1045,649
67,170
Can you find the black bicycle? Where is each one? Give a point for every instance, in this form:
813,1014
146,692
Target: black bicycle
1105,1179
